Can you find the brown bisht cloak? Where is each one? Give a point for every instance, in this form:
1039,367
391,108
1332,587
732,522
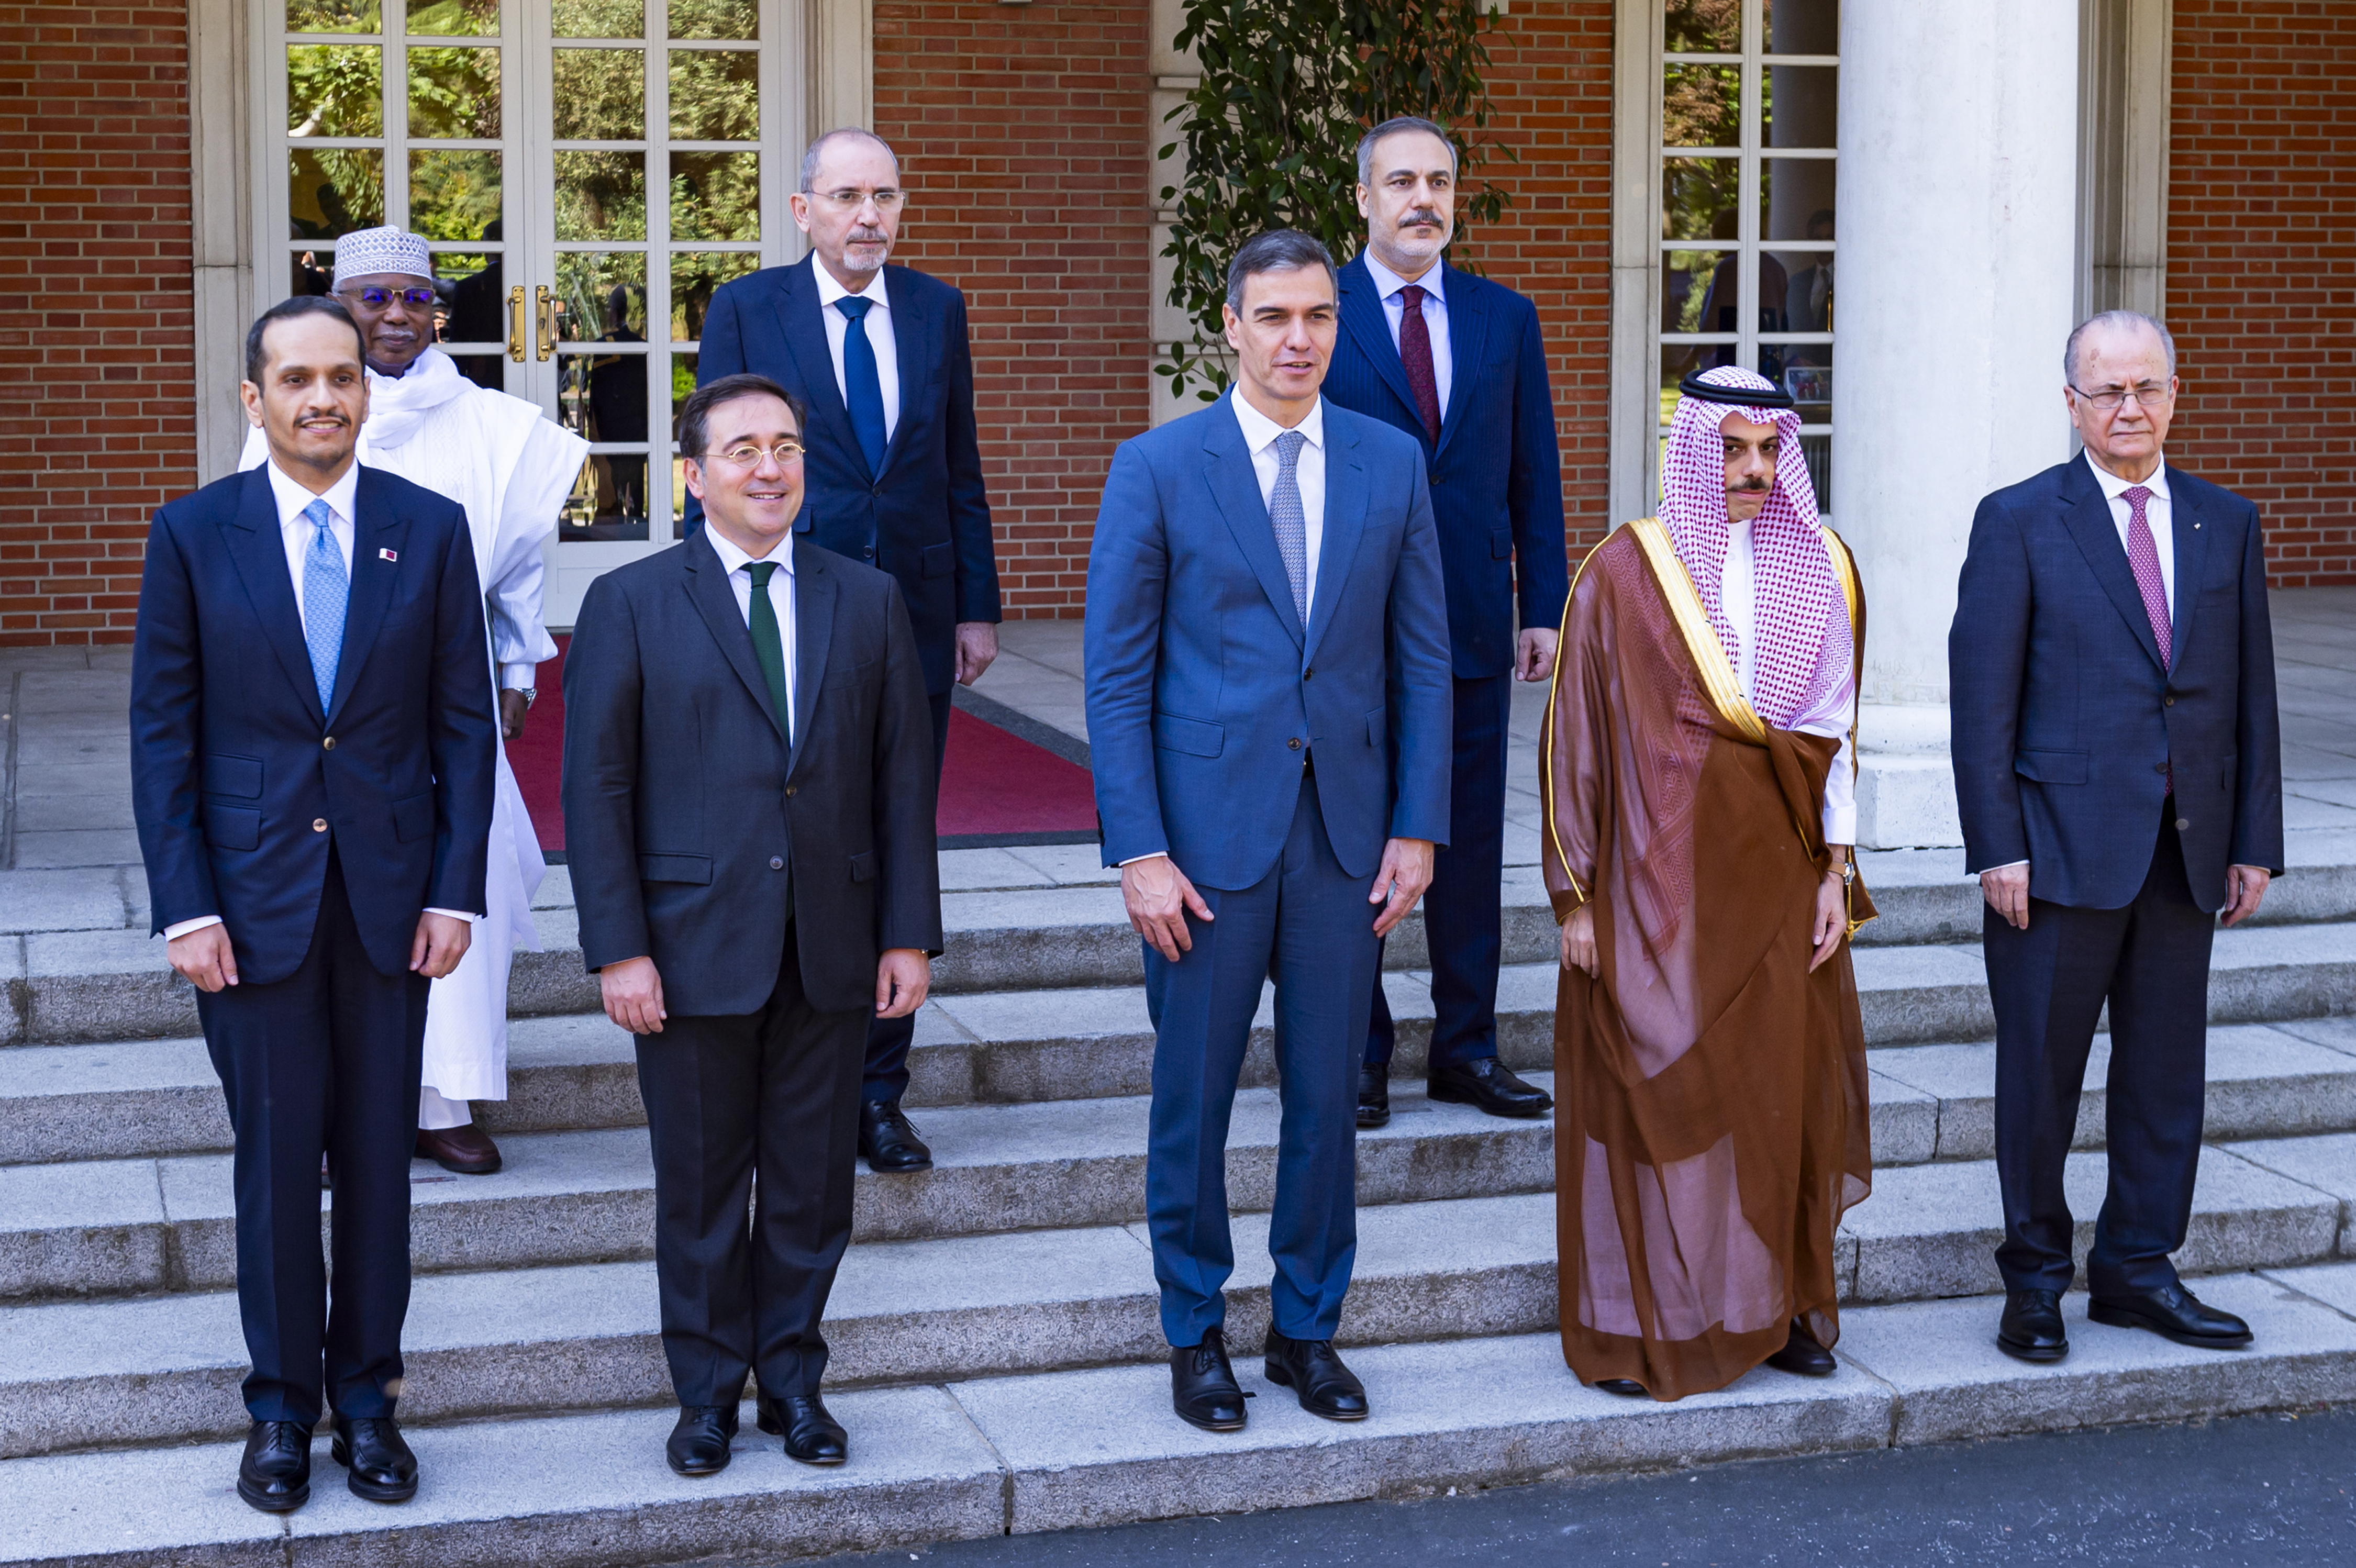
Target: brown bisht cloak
1711,1123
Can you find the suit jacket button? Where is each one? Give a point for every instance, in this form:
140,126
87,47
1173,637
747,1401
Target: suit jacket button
1294,743
2183,823
1309,674
2171,701
869,552
776,863
2159,767
328,744
318,824
791,788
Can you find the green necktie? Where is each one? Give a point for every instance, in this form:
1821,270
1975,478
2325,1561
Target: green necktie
768,647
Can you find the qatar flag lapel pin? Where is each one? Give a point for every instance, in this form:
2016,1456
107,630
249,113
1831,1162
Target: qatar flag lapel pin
388,554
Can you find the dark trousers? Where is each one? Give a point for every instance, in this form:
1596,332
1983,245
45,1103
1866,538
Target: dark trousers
1307,926
772,1095
888,1039
2150,960
1464,908
325,1060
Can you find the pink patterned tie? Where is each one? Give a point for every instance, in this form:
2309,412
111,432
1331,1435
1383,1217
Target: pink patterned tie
2143,556
1415,356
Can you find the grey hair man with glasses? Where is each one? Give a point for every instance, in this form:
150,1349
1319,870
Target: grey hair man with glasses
2118,764
879,355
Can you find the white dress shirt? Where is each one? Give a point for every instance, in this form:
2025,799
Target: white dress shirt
879,338
295,532
781,592
2157,511
1738,597
1308,471
1435,316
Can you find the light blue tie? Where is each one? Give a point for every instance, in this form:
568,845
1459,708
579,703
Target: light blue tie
1289,523
326,589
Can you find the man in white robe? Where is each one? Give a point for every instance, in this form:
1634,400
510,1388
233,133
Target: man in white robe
510,467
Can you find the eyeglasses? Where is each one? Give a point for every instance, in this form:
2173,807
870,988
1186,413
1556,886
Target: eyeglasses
748,454
377,298
2111,397
885,200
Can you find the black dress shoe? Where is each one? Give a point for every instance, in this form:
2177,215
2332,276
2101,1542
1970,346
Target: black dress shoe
1801,1354
1202,1387
1626,1388
2172,1313
382,1468
1374,1096
812,1435
1311,1369
699,1443
275,1474
887,1140
1484,1083
2030,1329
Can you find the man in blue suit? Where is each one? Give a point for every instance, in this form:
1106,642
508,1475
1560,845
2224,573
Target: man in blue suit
2118,763
311,751
1267,698
879,355
1456,362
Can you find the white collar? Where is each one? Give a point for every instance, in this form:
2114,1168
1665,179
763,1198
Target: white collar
342,497
2113,486
1388,282
1260,431
736,560
830,287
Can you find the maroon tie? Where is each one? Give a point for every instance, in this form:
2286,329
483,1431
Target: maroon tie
1415,353
2143,559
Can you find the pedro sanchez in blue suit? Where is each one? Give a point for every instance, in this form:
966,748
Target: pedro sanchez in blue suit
880,357
1267,696
1455,361
312,747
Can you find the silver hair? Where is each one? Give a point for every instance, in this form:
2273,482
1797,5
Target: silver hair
1392,126
1275,251
2107,320
812,154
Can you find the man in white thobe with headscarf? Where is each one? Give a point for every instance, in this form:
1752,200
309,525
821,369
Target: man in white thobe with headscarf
510,467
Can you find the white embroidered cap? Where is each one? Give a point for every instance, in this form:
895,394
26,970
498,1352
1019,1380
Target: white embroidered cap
372,251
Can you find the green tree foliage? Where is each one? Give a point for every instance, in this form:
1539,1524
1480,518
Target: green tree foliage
1271,133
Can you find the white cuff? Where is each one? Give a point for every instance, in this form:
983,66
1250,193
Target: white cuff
519,677
455,914
1134,859
179,928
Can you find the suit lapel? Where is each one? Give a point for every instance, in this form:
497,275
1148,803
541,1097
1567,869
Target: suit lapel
259,549
1236,488
2087,515
911,335
378,527
805,327
814,593
1364,319
716,601
1345,523
1468,335
2191,553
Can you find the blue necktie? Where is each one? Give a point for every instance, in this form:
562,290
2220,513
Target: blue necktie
326,590
1290,520
863,388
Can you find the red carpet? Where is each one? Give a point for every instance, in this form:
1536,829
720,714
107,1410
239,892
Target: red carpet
998,786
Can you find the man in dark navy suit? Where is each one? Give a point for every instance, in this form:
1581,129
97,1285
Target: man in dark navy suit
312,750
879,355
1456,362
2118,764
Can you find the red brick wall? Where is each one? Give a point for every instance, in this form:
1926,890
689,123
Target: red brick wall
98,416
2262,267
1022,130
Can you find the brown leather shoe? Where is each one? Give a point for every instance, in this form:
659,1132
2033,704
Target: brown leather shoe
467,1150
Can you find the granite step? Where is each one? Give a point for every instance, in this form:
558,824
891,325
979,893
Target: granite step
94,984
584,1335
1098,1447
95,1228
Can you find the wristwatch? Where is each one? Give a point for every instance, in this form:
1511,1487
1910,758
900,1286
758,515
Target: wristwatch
529,694
1847,872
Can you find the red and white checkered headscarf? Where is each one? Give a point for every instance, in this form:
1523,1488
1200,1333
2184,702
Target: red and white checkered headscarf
1795,592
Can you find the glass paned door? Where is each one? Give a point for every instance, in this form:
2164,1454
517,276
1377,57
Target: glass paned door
665,173
1749,166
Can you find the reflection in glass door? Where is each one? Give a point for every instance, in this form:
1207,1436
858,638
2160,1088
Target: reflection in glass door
666,180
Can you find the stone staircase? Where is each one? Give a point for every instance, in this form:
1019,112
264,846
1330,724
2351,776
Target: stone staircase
996,1353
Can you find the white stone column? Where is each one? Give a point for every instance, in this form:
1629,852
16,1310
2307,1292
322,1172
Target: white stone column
1957,267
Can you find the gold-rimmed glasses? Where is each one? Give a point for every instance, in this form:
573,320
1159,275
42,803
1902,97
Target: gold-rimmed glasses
748,455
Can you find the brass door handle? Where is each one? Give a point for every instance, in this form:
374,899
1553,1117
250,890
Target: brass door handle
515,324
546,313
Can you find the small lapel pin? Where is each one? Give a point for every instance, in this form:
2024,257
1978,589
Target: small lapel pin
388,554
